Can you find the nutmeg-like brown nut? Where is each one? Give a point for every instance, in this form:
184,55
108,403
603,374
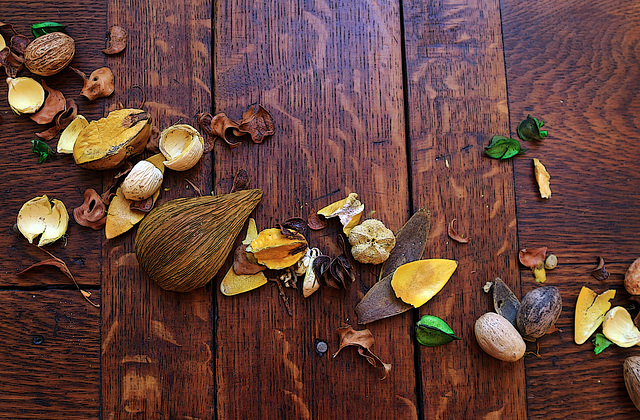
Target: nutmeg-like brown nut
498,338
538,311
143,180
49,54
631,371
632,278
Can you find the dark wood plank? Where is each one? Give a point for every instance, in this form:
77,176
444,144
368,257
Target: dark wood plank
457,101
23,178
157,345
566,379
330,73
573,64
50,355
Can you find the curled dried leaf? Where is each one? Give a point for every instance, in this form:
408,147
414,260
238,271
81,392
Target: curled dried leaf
220,124
320,266
241,181
342,271
453,234
258,123
600,273
99,84
532,257
293,226
363,340
204,122
117,40
54,104
62,120
315,222
242,265
93,212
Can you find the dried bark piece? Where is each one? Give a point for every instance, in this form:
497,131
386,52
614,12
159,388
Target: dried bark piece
93,212
600,273
117,40
54,104
363,340
258,123
453,234
505,302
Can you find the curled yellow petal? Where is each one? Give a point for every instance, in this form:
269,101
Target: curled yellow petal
348,210
234,284
276,251
619,328
590,311
418,281
542,178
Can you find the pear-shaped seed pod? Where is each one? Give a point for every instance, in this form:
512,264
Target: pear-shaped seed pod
182,244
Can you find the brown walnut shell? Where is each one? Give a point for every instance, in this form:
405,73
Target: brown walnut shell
539,310
49,54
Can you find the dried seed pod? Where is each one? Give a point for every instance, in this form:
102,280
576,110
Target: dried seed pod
99,84
551,262
371,242
631,373
539,310
38,217
93,212
70,134
49,54
182,145
632,278
277,251
348,210
600,273
498,338
117,40
505,302
25,96
143,180
619,328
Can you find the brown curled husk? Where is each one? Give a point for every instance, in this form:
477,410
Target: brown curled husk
532,257
144,206
62,120
241,181
315,221
54,104
363,340
117,40
204,122
295,224
600,273
342,271
153,145
110,192
11,62
453,234
258,123
220,124
241,263
99,84
93,212
636,320
19,44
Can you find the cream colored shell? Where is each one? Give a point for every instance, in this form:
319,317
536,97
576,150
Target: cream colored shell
499,338
2,43
371,242
38,217
182,146
25,96
143,180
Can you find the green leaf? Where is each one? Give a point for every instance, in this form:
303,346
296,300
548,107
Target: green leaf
502,147
431,331
42,149
600,343
42,28
529,129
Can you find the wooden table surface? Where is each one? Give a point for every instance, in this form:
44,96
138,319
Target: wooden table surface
392,100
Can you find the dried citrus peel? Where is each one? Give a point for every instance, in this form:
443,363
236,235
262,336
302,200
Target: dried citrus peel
38,217
542,178
418,281
276,251
349,211
590,311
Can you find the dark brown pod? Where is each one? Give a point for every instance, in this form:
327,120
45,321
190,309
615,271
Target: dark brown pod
539,310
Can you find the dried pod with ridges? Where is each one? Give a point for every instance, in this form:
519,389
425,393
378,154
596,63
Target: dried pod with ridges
49,54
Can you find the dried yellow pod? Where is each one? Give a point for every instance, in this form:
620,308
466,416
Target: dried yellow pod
590,311
371,242
234,284
348,210
418,281
38,217
120,216
26,96
107,142
182,244
70,134
276,251
542,178
182,145
619,328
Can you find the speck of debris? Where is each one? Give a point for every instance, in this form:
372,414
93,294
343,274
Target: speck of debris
321,347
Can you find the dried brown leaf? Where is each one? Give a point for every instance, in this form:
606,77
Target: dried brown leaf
241,181
220,124
532,257
99,84
63,119
93,212
295,224
117,40
363,340
453,234
600,273
258,123
315,221
241,263
54,104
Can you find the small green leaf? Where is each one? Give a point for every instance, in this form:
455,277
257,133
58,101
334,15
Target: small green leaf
529,129
42,28
431,331
42,149
600,343
502,147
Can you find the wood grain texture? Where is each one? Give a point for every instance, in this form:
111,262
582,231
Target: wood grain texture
331,75
574,65
566,379
157,345
457,98
22,178
50,355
